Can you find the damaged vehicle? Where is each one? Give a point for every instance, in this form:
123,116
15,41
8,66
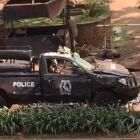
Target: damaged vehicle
114,82
53,77
59,78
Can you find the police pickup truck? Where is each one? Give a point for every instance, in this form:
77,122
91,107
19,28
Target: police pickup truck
56,77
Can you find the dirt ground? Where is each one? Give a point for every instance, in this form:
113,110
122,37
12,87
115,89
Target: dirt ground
127,40
127,12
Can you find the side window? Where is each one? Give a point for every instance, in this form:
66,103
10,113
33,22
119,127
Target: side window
52,65
61,66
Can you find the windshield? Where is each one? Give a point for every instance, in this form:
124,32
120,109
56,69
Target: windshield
84,64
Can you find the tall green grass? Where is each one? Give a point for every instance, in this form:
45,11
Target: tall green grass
63,119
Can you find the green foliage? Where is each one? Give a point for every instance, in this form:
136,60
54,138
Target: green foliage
63,119
96,8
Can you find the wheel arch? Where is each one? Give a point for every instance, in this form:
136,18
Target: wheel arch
105,97
99,90
4,95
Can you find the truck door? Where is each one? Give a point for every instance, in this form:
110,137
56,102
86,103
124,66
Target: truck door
65,81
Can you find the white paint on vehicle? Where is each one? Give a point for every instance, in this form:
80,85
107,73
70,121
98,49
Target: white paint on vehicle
24,84
113,66
65,87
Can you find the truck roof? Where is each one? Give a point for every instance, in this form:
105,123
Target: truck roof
18,66
55,54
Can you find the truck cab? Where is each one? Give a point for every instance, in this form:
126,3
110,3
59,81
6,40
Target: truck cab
70,82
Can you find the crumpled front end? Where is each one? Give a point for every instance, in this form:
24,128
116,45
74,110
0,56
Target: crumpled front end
127,88
111,68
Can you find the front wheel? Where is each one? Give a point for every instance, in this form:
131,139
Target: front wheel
105,98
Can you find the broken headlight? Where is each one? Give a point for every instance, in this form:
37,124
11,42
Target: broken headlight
123,81
132,80
128,81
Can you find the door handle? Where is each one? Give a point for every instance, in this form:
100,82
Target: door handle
89,80
50,80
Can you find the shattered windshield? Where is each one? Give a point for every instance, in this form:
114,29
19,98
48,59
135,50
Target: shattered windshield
84,64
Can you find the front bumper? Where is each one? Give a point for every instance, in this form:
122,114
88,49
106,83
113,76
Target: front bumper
127,93
130,91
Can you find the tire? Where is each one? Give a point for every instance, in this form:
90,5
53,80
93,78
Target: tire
105,98
3,102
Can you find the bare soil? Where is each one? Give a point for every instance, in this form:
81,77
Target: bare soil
127,12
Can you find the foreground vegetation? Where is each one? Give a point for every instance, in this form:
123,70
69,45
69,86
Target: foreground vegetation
63,119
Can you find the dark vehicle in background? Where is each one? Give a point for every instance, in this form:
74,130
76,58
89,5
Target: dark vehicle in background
60,78
25,25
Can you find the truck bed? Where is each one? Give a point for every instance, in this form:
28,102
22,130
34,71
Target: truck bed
17,66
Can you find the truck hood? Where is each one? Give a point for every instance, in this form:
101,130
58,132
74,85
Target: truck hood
111,68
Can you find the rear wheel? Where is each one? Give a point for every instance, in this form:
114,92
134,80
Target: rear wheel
105,98
3,102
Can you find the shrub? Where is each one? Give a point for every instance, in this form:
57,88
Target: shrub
63,119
